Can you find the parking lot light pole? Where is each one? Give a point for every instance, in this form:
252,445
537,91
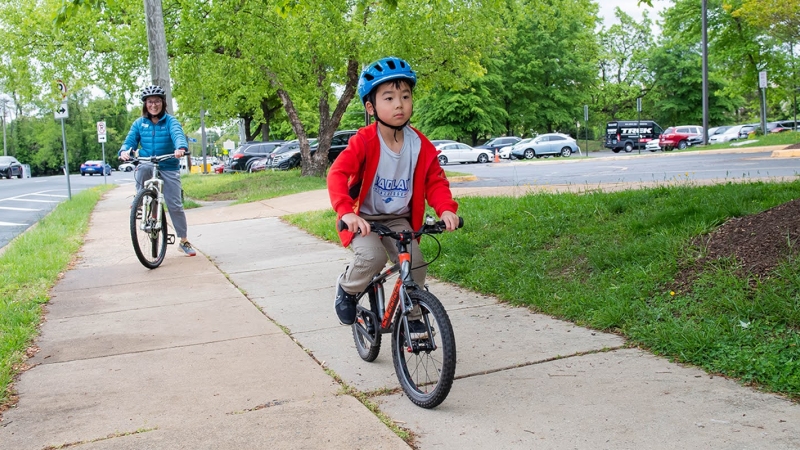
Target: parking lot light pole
705,72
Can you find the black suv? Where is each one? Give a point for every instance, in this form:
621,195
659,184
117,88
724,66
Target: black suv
288,156
494,145
248,153
338,143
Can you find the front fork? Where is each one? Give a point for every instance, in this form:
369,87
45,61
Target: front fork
158,213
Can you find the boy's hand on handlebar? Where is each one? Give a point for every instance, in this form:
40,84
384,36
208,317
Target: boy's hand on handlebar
355,223
450,220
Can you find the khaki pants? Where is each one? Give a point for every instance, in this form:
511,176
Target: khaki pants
372,252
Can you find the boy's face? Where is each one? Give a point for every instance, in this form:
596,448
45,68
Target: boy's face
393,103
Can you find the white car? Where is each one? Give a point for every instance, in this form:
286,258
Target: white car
652,145
462,153
731,134
125,167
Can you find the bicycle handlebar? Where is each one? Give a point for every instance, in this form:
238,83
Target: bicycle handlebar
383,230
155,159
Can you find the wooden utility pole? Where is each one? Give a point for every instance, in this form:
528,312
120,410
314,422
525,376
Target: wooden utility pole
157,47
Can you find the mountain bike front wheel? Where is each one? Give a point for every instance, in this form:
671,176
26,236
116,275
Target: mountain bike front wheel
425,369
148,236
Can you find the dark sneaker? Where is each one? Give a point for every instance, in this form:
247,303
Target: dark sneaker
417,329
345,305
186,247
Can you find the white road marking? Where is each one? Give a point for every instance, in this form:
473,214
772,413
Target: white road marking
18,209
12,224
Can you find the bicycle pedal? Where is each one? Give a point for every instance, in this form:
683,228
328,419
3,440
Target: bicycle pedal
170,239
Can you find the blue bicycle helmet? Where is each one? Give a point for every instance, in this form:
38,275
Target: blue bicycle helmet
384,69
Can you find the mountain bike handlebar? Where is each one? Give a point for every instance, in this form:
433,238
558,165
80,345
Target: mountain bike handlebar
154,159
429,227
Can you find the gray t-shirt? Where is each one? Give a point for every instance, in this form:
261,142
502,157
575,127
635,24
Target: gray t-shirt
391,189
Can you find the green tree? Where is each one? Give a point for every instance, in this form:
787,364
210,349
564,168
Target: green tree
626,49
551,64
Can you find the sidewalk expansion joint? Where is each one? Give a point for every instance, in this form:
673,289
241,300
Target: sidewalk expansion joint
541,361
134,352
113,435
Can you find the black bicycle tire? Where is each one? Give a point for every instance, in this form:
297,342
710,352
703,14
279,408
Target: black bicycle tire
366,351
159,246
446,347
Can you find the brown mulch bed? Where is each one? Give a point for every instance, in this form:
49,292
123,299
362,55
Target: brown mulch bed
758,243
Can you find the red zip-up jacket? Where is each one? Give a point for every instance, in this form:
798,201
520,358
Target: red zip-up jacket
352,173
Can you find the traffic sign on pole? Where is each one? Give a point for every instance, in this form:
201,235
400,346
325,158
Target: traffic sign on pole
101,132
62,88
61,111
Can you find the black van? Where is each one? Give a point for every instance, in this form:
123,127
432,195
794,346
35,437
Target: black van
630,134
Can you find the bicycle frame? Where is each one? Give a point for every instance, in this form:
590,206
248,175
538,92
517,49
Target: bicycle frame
403,282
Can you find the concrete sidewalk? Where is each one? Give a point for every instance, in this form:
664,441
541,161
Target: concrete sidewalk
194,355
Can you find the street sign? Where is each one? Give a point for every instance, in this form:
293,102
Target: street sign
62,88
191,139
61,111
101,132
762,79
586,113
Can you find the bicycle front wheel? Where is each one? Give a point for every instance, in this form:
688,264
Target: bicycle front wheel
148,236
425,369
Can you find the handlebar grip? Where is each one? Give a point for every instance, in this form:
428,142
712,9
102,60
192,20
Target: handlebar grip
340,225
460,222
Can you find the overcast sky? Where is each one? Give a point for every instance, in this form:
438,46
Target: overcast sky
631,8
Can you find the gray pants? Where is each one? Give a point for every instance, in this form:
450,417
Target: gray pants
372,252
172,194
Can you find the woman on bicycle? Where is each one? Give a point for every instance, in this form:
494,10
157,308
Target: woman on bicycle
159,133
385,174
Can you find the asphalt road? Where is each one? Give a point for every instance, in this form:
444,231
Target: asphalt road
23,202
607,167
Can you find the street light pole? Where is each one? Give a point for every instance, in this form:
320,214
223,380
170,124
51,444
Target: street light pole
705,72
5,151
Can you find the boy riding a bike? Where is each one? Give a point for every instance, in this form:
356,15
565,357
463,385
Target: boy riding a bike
160,134
385,174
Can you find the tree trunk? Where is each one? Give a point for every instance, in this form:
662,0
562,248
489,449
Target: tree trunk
157,48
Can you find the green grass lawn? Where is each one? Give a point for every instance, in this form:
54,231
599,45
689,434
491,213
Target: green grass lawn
29,268
608,260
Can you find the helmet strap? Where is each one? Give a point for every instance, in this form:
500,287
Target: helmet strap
395,128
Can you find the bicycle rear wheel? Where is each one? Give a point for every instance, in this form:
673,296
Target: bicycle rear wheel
426,370
149,239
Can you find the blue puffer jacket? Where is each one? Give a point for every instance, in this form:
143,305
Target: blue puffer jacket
157,139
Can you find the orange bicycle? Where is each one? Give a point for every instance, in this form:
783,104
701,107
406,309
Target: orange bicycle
424,361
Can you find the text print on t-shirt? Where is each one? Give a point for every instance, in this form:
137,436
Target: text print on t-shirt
388,189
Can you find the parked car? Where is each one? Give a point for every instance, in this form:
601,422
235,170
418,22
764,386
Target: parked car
442,141
505,152
744,132
126,167
259,164
10,167
555,144
680,137
497,143
652,145
731,134
288,155
338,143
786,125
247,153
95,167
457,152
